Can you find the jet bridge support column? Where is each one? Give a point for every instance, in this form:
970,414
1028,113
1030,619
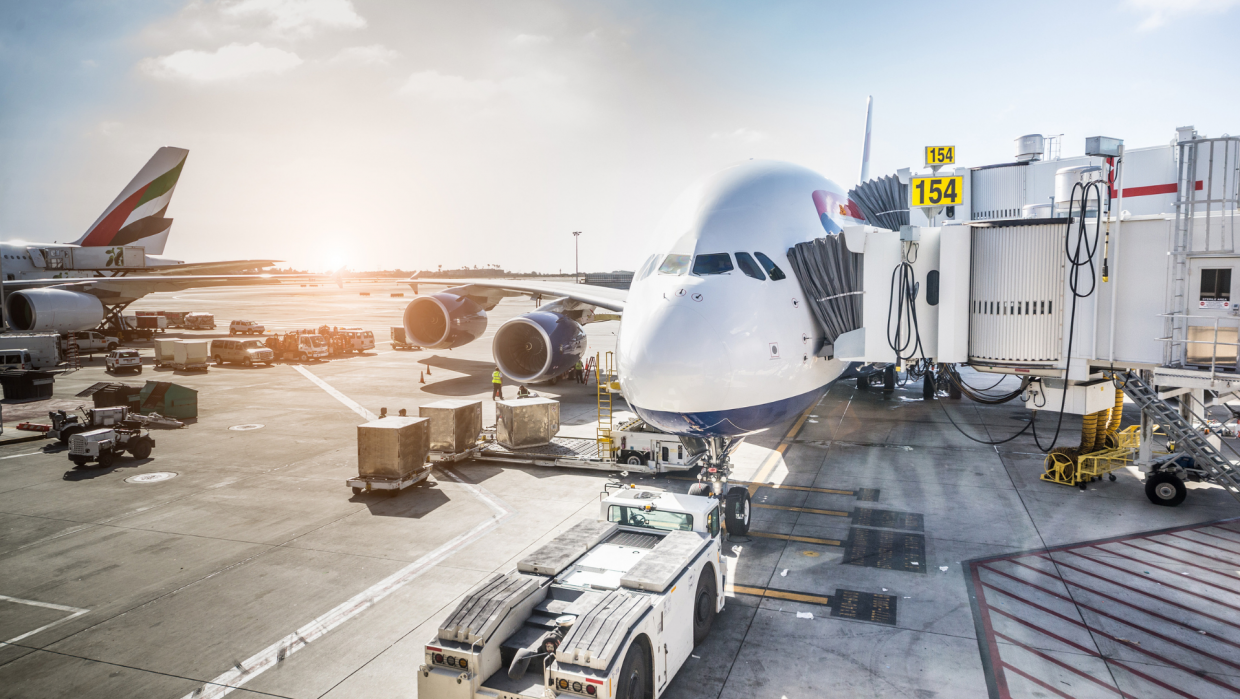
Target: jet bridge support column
1146,452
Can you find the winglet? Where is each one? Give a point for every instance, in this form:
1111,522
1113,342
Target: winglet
865,150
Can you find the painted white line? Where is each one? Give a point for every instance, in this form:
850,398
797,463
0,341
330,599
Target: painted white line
32,453
47,605
349,402
274,654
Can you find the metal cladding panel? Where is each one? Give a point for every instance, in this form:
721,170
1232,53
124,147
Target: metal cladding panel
1016,303
597,636
998,192
526,422
486,606
392,447
455,424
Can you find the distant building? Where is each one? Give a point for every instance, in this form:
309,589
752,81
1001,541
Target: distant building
615,280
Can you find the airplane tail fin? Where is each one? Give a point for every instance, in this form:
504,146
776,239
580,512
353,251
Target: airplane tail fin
865,151
136,216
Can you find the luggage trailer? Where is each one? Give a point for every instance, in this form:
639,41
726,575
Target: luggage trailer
609,608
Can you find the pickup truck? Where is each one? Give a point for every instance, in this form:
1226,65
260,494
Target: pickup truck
91,341
609,608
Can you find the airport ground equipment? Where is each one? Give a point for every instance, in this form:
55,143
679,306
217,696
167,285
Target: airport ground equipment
142,326
526,422
391,454
612,607
176,319
11,359
400,340
88,341
245,352
168,399
27,384
191,355
107,394
65,424
455,425
44,348
299,346
119,360
245,327
356,339
104,446
199,321
163,350
638,444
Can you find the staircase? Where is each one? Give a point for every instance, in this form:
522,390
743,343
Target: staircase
604,375
1219,468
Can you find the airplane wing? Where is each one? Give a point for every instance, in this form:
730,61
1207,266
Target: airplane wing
600,296
112,290
224,267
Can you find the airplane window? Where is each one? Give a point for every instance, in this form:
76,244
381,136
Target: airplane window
749,267
675,264
714,263
771,268
647,268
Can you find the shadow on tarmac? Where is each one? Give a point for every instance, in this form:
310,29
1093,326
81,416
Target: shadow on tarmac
414,502
86,473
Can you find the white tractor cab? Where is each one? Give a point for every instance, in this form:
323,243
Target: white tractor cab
105,445
609,608
640,444
67,424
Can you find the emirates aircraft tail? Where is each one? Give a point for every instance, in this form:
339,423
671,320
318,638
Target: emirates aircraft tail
136,217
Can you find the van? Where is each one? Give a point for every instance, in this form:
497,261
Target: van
357,340
247,352
15,359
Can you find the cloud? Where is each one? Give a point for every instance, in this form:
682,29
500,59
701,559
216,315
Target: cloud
375,54
107,128
432,85
742,135
1159,12
530,39
229,62
299,17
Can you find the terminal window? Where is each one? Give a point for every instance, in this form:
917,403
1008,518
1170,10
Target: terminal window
1216,284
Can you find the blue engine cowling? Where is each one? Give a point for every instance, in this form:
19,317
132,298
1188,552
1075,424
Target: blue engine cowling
444,321
537,346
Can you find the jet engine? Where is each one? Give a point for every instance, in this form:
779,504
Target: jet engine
444,321
53,310
539,345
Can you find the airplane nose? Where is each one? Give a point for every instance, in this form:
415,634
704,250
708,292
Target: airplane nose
679,363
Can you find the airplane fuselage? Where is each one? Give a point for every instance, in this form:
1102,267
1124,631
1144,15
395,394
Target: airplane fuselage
710,346
18,262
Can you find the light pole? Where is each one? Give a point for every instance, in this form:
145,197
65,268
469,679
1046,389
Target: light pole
576,257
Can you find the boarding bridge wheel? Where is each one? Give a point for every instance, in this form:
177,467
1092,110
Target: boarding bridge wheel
889,378
1060,466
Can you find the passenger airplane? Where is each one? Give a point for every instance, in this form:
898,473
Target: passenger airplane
74,286
716,340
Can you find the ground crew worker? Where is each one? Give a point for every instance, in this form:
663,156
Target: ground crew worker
523,392
579,372
497,385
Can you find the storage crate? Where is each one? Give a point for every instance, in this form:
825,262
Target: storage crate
392,447
526,422
454,424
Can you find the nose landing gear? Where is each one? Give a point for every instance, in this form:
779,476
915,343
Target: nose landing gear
713,482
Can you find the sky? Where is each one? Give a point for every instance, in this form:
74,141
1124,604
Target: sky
413,134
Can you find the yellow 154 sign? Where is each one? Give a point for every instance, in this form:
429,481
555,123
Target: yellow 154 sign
936,191
940,155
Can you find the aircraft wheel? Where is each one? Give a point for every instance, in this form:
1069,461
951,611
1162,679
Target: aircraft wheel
1165,489
736,511
634,674
704,604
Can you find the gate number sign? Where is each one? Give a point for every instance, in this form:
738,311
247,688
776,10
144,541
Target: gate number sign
936,191
940,155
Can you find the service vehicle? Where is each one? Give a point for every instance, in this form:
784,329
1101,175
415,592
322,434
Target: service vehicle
119,360
92,341
400,340
356,339
609,608
245,327
142,327
303,346
199,321
246,352
176,319
103,446
15,359
639,444
43,348
67,424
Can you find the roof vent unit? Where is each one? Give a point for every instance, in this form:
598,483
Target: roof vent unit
1030,147
1103,146
1066,179
1185,133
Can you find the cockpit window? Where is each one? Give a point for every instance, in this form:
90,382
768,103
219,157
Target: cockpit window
771,268
675,264
647,268
749,267
714,263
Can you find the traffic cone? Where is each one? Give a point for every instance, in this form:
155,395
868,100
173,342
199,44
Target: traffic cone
428,369
421,377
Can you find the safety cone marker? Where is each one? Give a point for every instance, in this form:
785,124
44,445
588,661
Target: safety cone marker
421,377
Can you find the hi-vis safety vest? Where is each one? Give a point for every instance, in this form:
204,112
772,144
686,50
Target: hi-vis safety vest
495,378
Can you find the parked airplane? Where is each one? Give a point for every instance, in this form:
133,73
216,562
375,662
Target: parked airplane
716,340
119,259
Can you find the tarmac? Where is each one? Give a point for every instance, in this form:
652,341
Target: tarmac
890,556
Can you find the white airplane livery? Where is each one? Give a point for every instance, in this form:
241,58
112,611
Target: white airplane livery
716,339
